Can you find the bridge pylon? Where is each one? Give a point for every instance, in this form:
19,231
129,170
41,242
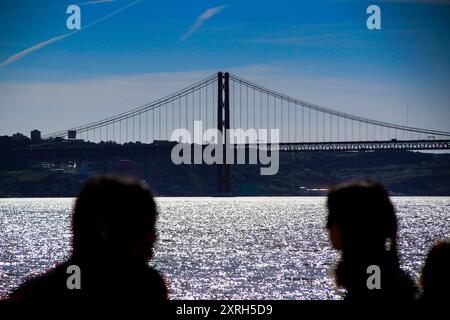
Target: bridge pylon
223,125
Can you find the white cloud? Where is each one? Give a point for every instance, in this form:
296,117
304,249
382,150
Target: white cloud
57,105
53,106
208,14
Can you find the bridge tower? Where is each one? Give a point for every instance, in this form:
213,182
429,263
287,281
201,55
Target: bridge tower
223,124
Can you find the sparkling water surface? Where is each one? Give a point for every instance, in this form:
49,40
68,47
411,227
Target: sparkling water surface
221,248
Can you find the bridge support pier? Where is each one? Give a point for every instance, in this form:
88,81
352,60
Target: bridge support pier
223,125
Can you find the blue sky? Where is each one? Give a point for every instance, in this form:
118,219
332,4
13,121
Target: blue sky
319,51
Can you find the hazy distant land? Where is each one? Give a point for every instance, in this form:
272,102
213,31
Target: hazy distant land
404,173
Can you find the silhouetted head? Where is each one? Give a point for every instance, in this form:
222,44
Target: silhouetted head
114,218
363,226
361,216
435,278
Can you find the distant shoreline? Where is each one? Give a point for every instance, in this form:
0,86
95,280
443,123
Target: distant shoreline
157,197
300,174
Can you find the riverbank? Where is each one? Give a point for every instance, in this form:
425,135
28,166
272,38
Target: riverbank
300,174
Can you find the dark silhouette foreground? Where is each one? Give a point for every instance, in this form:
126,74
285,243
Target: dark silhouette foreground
363,227
435,278
113,234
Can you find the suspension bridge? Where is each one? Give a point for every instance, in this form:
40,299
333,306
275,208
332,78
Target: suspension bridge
225,101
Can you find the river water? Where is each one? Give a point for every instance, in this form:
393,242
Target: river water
221,248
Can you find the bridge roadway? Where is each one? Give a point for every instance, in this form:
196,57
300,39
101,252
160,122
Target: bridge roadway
149,149
367,145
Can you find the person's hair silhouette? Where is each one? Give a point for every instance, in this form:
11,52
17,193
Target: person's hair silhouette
113,226
362,225
435,277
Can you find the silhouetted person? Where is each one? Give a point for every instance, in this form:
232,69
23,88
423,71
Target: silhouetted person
435,278
363,226
113,228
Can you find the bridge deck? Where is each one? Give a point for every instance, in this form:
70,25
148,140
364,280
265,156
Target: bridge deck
148,149
367,145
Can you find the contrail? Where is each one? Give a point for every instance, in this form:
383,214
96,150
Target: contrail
211,12
25,52
45,43
95,1
53,7
111,14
